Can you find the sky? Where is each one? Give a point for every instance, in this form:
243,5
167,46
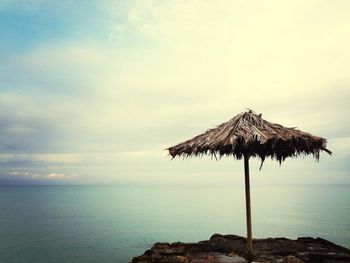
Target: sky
93,92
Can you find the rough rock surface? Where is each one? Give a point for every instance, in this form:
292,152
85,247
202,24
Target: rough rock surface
232,249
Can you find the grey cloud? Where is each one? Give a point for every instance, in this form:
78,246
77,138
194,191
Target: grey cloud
22,133
15,163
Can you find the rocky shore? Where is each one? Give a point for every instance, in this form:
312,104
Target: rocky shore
232,249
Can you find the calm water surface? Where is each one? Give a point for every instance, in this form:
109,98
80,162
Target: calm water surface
113,224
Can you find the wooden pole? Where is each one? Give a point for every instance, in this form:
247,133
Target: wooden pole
248,212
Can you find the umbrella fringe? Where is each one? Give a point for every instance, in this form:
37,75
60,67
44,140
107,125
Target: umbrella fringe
249,133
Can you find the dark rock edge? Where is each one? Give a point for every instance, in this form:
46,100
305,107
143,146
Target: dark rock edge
303,249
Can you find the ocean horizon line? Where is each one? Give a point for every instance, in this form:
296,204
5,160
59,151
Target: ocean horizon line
166,185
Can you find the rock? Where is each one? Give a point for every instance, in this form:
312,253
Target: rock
232,249
292,259
328,257
182,259
231,259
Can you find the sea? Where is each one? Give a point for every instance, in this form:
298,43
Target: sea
115,223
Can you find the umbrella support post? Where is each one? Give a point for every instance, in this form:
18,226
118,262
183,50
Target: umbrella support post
248,210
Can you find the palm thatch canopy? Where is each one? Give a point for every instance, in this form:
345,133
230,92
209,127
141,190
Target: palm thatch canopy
248,134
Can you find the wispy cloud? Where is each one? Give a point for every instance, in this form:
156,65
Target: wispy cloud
55,175
24,174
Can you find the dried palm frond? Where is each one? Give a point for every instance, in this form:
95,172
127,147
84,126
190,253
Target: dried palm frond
249,134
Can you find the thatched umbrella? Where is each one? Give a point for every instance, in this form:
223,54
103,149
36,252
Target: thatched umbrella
248,135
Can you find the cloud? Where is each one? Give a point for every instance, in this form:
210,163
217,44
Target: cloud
24,174
55,175
36,176
31,123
